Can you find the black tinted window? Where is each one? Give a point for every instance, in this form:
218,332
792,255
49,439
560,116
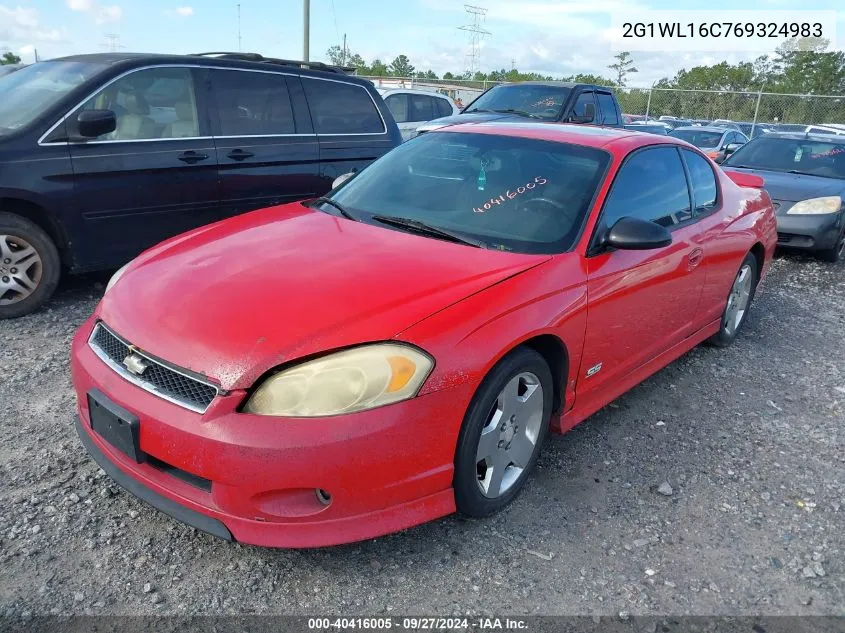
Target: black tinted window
443,107
341,108
252,104
702,179
699,138
608,109
651,185
422,108
826,159
584,99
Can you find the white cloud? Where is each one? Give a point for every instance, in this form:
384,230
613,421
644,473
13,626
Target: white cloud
21,26
79,5
185,11
105,15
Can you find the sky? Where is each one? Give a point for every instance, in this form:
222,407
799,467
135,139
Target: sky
557,38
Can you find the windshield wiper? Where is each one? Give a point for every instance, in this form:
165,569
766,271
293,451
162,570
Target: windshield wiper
477,110
519,112
332,203
426,229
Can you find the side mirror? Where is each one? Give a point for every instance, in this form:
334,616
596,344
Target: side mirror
589,115
342,179
730,148
634,234
94,123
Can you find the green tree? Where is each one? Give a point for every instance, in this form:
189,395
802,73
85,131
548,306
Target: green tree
377,69
401,67
349,59
448,75
623,67
9,58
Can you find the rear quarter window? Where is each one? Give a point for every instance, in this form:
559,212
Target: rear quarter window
341,108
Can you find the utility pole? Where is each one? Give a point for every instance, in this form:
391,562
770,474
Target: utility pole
343,57
306,29
239,28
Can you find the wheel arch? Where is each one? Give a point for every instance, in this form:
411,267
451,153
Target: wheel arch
555,353
759,252
41,217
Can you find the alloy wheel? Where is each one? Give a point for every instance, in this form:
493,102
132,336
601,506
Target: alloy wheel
739,298
20,269
509,438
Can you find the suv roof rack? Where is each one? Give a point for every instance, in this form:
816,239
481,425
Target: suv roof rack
256,57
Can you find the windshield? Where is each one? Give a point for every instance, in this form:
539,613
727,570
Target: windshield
699,138
509,193
792,155
28,92
544,102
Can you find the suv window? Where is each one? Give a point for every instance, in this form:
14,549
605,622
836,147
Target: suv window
702,180
608,109
341,108
650,185
155,103
580,108
443,107
252,104
422,108
398,106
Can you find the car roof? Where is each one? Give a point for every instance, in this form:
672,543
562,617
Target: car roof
705,128
420,91
229,60
557,84
576,134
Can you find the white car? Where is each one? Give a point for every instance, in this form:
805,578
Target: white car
411,108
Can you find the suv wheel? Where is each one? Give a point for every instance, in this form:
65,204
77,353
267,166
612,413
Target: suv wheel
29,266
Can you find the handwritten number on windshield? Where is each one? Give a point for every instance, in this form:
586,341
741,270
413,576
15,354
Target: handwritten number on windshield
509,195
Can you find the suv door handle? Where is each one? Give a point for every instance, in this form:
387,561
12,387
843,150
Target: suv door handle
191,157
239,154
695,258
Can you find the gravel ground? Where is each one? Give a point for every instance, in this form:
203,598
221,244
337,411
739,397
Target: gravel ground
716,487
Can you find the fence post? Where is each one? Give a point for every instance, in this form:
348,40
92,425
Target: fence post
648,103
756,111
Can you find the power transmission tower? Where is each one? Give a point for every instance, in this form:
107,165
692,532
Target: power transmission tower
239,28
113,44
476,34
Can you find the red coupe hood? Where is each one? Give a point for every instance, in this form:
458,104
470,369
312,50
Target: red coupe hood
237,298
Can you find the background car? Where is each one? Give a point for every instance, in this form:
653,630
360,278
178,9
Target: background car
411,108
400,349
8,69
102,156
649,128
716,142
543,101
805,175
725,123
800,128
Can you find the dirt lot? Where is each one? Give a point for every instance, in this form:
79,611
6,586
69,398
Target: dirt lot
716,487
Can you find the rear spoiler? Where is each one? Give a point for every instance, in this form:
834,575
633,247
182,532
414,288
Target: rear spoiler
745,180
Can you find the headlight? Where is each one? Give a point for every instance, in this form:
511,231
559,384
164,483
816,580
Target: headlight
816,206
116,277
352,380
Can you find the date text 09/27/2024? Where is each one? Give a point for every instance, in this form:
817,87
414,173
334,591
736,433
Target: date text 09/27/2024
418,623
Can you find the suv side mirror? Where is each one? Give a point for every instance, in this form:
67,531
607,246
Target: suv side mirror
634,234
589,115
94,123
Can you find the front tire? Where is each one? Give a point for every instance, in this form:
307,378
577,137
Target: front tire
29,266
835,252
502,433
739,302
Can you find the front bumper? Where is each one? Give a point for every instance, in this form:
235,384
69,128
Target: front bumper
254,478
810,232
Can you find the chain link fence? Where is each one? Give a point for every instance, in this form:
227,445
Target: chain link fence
701,105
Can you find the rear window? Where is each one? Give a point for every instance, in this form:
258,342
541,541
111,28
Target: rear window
252,104
341,108
699,138
443,107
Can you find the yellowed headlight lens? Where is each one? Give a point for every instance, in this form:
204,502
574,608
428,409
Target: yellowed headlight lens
344,382
816,206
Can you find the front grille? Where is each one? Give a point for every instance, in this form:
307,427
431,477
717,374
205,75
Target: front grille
784,238
158,378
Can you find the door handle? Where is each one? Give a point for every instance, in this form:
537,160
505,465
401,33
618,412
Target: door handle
695,258
239,154
192,157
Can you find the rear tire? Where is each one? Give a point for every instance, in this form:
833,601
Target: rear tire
502,433
740,296
29,266
835,252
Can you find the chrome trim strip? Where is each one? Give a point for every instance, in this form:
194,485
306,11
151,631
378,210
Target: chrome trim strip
243,70
129,377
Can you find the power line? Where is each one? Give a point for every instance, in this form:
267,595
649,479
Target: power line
112,43
476,34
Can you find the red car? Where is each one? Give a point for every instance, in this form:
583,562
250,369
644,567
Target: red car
334,370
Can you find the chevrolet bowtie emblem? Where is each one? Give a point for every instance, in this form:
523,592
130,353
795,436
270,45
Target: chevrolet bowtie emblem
135,363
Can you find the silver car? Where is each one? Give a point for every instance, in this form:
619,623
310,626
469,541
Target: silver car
411,108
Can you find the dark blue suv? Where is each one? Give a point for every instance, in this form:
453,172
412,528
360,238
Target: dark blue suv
102,156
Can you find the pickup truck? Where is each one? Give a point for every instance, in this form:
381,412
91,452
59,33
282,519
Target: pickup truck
543,101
